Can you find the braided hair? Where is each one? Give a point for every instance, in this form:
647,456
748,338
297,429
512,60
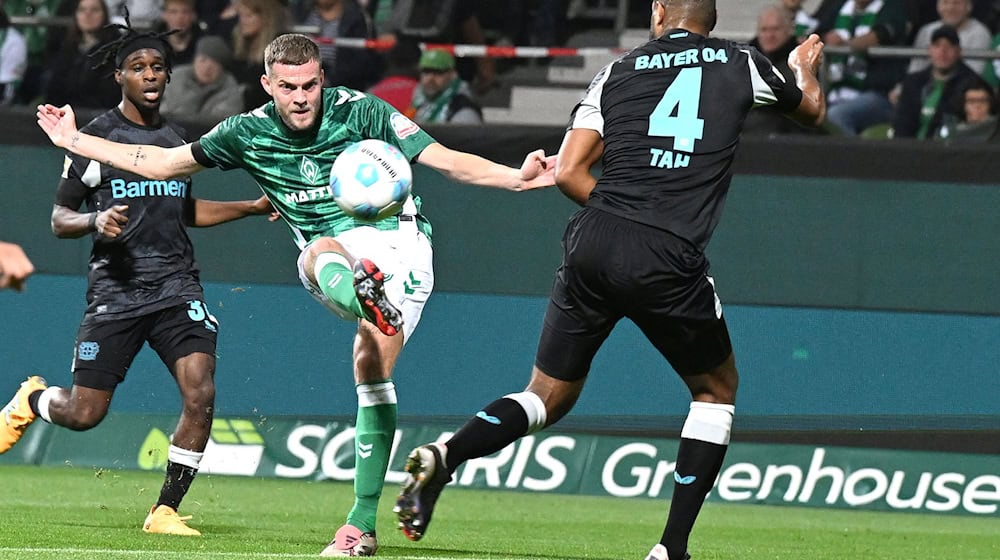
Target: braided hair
129,40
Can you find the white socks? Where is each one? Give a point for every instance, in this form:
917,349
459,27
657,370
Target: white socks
709,422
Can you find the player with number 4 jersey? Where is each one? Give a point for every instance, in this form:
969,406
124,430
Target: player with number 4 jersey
667,119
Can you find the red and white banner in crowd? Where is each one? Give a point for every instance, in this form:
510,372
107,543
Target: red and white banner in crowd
462,51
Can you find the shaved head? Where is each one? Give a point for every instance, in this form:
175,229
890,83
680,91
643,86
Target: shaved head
699,10
698,16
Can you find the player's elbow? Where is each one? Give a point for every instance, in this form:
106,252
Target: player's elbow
59,231
60,228
159,174
575,181
568,173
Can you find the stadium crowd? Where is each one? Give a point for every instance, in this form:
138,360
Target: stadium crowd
219,44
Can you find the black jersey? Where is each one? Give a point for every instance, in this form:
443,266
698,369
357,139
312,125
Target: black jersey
671,113
150,266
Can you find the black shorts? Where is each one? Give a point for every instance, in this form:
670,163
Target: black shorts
614,268
105,349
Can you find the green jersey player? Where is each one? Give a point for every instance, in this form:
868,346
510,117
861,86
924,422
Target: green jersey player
287,146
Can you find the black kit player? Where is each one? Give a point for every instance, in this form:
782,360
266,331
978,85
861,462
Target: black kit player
667,118
143,281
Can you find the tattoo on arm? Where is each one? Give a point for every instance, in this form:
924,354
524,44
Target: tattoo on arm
76,138
138,156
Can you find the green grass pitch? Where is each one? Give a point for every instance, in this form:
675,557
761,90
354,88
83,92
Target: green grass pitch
78,513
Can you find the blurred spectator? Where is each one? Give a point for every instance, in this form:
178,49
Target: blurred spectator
218,16
930,94
258,22
957,14
142,13
204,90
803,23
978,121
344,66
775,39
182,16
922,12
401,77
988,12
991,72
447,21
919,13
73,76
826,15
857,97
379,14
13,59
38,38
442,96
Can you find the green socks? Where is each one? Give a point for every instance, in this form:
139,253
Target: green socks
336,280
375,430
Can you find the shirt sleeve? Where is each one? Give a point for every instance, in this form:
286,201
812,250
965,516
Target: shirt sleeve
374,118
588,112
224,145
769,86
78,177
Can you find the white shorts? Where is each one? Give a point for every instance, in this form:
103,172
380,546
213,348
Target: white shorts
405,258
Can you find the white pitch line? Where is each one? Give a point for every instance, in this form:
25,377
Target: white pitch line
207,554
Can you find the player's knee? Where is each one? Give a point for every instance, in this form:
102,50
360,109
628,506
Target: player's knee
558,395
199,396
83,417
368,362
323,245
718,385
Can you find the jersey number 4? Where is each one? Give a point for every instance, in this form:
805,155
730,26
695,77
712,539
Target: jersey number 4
676,115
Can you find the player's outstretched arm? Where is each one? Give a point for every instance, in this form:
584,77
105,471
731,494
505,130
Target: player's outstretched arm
537,171
154,162
15,267
207,213
804,62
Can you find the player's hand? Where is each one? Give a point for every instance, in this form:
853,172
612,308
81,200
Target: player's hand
111,222
15,267
263,206
59,123
537,171
808,55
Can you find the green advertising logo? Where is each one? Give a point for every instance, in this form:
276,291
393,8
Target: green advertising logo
234,448
153,452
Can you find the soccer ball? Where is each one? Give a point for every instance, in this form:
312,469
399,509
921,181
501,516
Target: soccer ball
371,180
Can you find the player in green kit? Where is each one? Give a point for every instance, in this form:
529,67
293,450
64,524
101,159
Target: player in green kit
288,146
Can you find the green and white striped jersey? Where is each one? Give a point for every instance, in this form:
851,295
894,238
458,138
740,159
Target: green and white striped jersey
293,167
